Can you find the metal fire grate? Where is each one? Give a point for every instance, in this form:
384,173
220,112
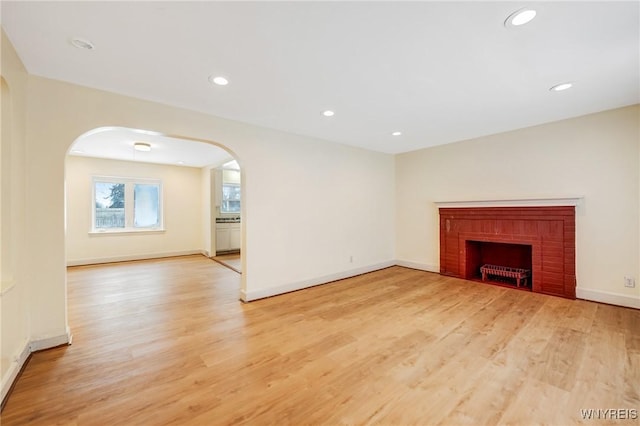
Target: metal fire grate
520,275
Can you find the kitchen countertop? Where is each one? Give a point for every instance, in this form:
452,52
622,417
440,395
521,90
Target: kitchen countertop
227,219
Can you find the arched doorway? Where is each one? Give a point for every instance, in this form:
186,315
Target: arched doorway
127,182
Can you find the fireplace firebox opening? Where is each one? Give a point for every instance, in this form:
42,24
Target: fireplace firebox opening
499,263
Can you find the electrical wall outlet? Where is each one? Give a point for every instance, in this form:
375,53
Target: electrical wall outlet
629,282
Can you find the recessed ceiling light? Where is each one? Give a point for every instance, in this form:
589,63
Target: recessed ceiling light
520,17
328,113
396,134
180,162
560,87
219,80
82,44
77,151
142,146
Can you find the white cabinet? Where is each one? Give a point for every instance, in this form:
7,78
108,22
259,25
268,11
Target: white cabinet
223,242
228,236
234,236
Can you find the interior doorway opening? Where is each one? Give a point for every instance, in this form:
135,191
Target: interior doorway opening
226,208
159,187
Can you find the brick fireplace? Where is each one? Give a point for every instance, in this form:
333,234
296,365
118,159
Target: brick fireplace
537,239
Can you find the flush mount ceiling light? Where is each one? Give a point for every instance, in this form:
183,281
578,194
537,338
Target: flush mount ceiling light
82,43
218,80
328,113
520,17
142,146
560,87
396,134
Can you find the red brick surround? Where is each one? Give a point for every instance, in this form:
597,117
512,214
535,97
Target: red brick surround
549,230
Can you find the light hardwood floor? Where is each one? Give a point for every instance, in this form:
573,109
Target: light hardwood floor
232,261
167,342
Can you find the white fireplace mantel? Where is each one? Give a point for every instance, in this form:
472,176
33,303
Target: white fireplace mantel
517,202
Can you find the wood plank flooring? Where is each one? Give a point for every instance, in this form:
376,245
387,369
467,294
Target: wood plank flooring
167,342
232,261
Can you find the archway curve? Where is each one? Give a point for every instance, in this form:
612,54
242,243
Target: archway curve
155,135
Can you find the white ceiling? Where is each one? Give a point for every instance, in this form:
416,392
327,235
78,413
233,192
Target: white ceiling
437,71
117,143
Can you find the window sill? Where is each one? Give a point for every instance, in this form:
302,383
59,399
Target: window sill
127,232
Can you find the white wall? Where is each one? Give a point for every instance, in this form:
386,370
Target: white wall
595,156
182,211
14,286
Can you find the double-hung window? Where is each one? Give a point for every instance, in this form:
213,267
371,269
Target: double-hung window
230,198
126,204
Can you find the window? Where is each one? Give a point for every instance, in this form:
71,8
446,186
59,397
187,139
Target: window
146,205
230,198
109,209
126,204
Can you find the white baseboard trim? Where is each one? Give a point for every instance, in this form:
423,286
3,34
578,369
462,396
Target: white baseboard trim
419,266
608,297
14,369
18,360
98,260
51,342
250,295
